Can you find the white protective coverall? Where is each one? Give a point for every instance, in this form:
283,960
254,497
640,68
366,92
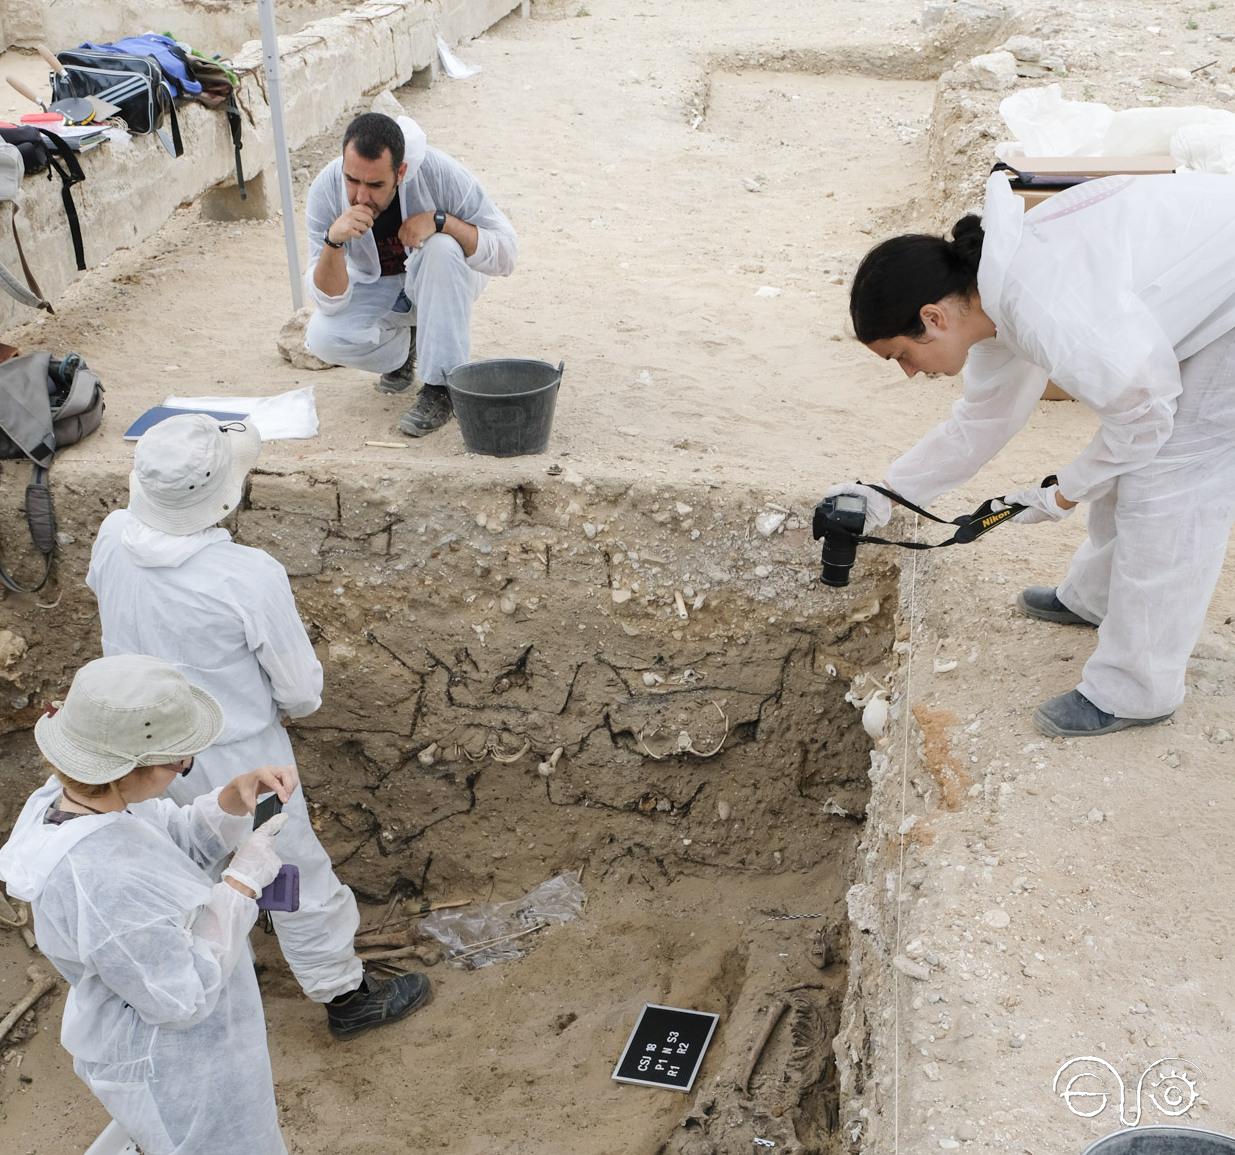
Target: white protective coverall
1122,291
224,615
367,327
164,1020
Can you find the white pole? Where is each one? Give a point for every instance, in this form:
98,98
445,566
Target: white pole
270,49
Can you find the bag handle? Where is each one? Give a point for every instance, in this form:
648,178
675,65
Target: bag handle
41,518
39,301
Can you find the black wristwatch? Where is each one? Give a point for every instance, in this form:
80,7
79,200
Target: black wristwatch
439,220
332,244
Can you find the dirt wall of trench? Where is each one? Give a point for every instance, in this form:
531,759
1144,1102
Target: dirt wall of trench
539,673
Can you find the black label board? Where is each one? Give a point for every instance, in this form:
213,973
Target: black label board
666,1047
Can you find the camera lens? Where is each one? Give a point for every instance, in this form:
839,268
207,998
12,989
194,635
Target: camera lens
837,557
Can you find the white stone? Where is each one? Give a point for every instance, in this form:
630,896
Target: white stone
994,70
1028,48
1173,77
620,597
769,522
768,291
913,970
875,716
290,342
997,918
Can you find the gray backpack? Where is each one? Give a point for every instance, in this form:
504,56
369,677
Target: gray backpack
45,404
12,169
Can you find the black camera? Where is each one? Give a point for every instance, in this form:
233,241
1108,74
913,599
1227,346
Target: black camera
838,522
60,374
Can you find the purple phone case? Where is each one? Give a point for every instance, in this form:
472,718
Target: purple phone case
284,893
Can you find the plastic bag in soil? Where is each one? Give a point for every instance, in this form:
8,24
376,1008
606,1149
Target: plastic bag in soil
461,931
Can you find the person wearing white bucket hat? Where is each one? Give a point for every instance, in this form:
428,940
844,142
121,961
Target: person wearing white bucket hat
190,471
171,584
164,1020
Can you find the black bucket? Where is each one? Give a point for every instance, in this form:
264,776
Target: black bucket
505,406
1163,1141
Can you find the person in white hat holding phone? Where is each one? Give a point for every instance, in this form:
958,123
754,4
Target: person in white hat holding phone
172,584
164,1020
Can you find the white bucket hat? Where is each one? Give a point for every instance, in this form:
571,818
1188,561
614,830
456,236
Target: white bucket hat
189,471
124,712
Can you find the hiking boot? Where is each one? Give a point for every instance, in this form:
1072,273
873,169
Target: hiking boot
377,1003
401,378
1072,715
1042,602
431,411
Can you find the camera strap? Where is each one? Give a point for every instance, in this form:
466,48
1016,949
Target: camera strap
970,526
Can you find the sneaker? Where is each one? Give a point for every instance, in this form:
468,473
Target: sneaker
431,411
401,378
1072,715
377,1003
1041,602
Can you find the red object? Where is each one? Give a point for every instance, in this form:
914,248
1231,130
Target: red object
42,118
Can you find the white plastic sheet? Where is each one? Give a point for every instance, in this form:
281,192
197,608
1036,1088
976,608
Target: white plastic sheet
1045,124
452,65
284,416
490,932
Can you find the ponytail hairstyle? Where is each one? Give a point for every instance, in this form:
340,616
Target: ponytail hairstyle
897,277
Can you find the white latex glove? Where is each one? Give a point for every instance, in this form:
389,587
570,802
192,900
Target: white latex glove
878,507
256,862
1040,505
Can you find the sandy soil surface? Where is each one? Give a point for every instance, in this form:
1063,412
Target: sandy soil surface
1068,900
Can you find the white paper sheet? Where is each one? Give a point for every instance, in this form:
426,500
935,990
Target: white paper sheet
284,416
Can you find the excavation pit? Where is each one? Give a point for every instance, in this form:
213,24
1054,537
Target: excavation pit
711,782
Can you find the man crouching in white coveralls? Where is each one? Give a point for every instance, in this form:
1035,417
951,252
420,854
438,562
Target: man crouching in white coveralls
172,585
1121,290
402,239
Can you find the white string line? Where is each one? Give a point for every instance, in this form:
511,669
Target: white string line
900,870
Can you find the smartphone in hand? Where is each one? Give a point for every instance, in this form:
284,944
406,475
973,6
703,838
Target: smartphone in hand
284,893
266,809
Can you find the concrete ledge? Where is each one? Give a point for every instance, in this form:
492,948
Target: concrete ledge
130,190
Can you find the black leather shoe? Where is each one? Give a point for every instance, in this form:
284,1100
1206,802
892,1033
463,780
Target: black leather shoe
1072,715
376,1004
431,411
1042,602
401,379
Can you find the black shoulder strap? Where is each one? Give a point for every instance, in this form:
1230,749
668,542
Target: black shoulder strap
234,123
176,145
64,160
970,526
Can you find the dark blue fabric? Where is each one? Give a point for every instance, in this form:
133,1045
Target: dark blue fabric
165,51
